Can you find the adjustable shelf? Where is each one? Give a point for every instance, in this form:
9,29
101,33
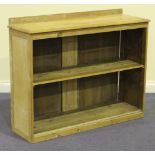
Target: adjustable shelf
75,72
80,72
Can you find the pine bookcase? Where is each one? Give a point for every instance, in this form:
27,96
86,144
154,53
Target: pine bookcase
76,71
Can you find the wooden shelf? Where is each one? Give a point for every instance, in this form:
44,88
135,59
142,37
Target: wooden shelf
79,72
84,117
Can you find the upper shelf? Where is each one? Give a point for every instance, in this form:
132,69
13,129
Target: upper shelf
73,21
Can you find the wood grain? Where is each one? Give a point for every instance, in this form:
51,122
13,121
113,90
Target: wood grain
69,88
145,43
83,117
51,134
47,55
21,84
61,16
74,72
69,96
131,87
98,48
76,23
92,30
97,90
79,72
47,100
133,45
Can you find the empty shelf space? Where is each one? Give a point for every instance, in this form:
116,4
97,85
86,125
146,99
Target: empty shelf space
86,116
47,55
79,72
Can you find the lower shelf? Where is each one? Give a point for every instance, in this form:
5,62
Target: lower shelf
85,120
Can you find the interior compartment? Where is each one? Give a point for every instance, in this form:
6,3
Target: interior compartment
75,101
131,87
47,100
91,115
98,48
92,49
97,97
47,55
112,46
133,45
97,90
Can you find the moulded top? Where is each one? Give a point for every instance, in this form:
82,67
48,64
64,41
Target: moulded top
72,21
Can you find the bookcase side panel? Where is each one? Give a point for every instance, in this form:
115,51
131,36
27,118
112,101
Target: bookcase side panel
21,80
144,43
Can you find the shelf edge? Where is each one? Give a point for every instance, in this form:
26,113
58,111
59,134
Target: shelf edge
90,125
87,75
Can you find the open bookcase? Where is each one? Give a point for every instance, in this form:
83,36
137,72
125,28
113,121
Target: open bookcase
75,72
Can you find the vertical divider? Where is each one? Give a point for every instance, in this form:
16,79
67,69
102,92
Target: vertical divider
69,88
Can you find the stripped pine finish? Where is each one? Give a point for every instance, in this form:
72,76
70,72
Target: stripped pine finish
68,74
75,72
69,90
83,117
76,23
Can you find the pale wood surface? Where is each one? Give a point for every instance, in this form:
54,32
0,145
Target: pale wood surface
51,134
83,117
145,43
68,74
86,96
69,95
69,88
21,84
61,16
88,31
70,22
69,51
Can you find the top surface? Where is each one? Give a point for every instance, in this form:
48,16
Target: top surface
72,21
